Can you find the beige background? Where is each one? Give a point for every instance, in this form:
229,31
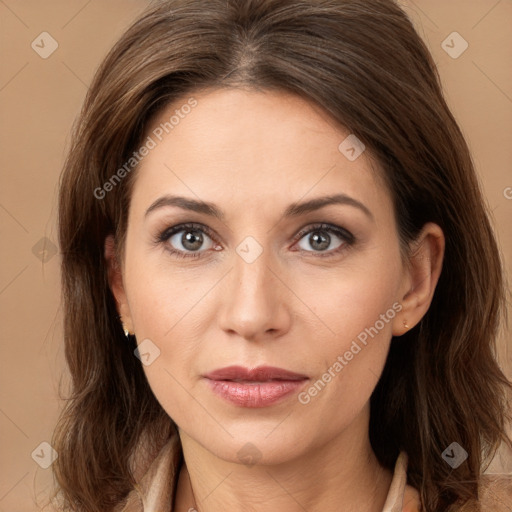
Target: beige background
39,99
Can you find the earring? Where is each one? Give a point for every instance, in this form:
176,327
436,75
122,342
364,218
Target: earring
127,332
405,324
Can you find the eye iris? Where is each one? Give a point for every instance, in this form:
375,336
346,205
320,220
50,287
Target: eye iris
323,241
192,237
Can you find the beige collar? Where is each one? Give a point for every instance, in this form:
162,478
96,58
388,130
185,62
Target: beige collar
156,489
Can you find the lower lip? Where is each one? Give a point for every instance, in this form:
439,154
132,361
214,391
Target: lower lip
255,394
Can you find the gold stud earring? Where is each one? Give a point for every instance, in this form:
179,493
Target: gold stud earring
405,324
126,331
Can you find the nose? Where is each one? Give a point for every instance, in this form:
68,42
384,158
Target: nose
257,300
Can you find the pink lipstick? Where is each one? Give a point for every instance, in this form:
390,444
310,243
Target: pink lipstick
257,387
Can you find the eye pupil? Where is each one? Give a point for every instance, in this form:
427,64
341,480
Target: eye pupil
323,241
192,237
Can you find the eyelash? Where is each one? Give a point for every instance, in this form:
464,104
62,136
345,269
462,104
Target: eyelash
346,236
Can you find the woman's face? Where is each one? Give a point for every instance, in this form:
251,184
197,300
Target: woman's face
314,290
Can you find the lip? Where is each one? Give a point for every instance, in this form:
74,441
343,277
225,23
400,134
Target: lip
256,387
259,374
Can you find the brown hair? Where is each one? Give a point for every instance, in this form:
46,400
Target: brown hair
363,62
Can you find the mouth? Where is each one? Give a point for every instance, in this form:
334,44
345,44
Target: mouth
257,387
259,374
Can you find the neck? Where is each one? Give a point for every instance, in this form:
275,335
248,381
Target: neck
344,471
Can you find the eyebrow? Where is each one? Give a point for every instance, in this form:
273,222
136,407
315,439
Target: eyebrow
293,210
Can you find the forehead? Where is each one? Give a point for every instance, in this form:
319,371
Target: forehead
250,146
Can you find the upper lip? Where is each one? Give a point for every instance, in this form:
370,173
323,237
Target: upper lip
261,373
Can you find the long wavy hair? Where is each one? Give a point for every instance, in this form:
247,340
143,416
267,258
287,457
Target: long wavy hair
364,63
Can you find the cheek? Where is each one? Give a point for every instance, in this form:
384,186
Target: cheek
159,313
159,296
357,311
353,298
164,305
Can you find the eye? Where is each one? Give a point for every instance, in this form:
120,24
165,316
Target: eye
320,238
192,240
187,240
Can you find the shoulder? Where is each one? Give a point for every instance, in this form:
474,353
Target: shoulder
156,487
495,496
496,493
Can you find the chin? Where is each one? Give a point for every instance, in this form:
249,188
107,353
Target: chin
261,444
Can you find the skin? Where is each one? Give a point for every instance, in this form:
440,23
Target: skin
254,153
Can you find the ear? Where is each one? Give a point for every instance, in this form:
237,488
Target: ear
420,277
115,280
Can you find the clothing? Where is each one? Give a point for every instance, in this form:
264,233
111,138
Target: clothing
156,489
